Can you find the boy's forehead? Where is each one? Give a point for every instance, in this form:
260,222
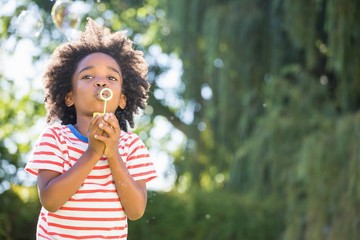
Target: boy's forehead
98,58
100,55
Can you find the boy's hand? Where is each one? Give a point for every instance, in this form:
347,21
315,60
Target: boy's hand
95,145
111,134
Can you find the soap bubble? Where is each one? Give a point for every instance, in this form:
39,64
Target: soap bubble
67,15
29,24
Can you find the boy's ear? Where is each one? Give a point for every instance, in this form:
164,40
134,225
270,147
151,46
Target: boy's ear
122,102
68,100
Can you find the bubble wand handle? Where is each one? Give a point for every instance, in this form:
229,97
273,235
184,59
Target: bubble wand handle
105,101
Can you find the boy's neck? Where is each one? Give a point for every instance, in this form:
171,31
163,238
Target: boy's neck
82,125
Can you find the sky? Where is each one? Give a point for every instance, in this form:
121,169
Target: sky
20,53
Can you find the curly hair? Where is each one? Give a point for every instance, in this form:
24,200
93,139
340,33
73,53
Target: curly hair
65,59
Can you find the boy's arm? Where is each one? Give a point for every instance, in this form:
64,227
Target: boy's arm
133,194
55,189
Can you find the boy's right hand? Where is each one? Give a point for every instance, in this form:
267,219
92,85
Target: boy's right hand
95,146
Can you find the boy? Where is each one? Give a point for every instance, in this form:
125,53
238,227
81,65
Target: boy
91,172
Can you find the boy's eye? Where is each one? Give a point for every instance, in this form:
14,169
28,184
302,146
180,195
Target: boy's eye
112,78
87,77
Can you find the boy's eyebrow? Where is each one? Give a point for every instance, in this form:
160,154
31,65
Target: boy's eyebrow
90,67
115,70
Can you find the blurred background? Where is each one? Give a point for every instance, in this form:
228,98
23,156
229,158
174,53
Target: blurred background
253,121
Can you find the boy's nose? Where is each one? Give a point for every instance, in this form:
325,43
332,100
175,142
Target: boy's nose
100,83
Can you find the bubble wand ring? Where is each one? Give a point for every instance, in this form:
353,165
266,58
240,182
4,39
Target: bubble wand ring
105,98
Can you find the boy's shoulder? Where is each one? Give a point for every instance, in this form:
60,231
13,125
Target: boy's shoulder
126,135
129,137
56,129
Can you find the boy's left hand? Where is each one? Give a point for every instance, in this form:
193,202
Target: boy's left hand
110,126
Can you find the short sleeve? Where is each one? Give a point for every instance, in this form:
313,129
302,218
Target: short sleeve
46,153
139,162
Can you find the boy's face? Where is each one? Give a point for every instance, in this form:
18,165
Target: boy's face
93,73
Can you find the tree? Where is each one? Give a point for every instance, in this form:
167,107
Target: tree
283,76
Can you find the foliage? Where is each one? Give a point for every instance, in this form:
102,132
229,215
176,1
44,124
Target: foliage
208,215
19,208
283,76
325,184
17,116
234,47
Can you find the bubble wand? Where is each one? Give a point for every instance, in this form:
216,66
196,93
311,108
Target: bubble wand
105,98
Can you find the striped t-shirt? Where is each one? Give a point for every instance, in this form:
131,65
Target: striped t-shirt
94,211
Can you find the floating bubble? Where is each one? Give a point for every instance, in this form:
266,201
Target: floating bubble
67,15
29,24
